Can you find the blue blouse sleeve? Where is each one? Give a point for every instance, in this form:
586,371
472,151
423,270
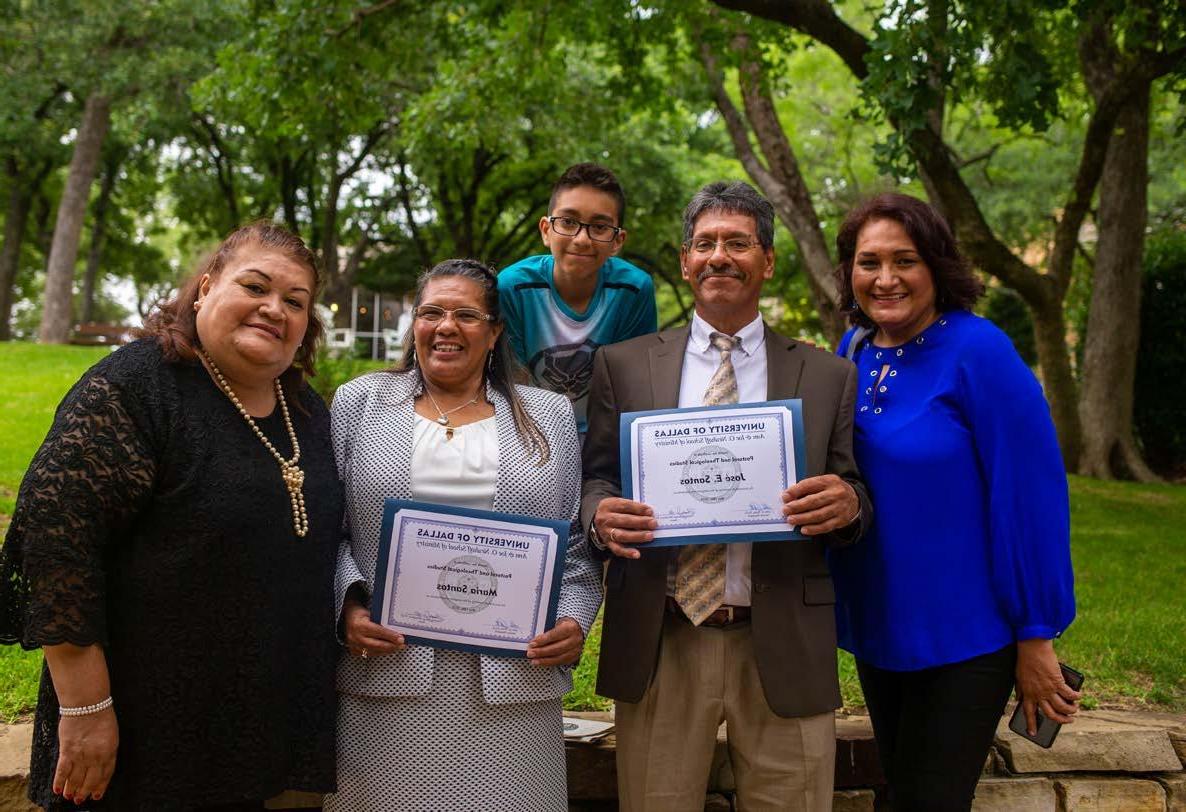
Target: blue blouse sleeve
1028,505
842,347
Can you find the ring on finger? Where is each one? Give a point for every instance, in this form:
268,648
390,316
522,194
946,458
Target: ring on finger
364,654
613,535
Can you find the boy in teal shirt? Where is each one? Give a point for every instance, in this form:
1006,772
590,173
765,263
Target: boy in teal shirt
560,307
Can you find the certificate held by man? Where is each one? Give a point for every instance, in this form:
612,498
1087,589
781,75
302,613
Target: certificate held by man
714,474
473,580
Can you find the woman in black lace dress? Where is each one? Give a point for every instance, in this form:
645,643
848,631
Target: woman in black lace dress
173,550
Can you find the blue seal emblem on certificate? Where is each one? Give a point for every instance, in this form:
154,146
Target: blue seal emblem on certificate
473,580
715,474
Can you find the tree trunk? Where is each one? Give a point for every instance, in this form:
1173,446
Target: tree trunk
780,179
798,212
1113,322
329,231
20,199
288,194
59,275
42,213
405,199
337,287
1058,382
206,132
94,259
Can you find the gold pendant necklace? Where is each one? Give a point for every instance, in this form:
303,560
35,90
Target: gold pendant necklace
294,477
443,419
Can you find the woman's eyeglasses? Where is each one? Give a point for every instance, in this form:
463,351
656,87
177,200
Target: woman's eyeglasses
465,316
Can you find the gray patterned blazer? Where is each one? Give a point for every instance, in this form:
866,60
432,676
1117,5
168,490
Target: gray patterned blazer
372,422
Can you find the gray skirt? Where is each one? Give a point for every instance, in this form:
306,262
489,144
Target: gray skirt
449,750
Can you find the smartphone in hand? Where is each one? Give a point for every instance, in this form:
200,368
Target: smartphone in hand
1047,728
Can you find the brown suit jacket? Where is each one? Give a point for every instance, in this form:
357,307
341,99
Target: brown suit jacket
794,628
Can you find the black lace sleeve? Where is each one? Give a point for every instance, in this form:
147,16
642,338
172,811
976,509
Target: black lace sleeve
91,474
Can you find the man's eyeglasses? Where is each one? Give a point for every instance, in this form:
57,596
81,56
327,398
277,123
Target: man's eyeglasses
568,227
465,316
735,247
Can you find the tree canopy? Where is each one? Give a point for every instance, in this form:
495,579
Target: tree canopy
393,135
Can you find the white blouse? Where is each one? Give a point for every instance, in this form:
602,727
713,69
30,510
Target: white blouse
463,471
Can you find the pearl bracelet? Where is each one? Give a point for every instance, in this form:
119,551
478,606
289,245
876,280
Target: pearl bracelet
87,710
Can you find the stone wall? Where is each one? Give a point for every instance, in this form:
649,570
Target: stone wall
14,766
1108,761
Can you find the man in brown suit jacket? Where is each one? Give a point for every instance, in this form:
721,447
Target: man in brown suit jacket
764,661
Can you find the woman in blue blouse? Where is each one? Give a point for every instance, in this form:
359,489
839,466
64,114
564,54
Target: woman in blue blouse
966,577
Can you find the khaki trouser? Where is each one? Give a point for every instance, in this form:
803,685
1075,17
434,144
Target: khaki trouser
665,742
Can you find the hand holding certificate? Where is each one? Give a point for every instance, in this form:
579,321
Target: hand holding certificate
716,474
472,580
719,474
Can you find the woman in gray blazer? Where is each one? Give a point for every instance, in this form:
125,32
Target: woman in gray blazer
429,729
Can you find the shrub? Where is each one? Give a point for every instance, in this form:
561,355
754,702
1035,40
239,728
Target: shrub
1006,310
333,372
1161,358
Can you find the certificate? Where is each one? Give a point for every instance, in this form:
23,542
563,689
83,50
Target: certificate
473,580
714,474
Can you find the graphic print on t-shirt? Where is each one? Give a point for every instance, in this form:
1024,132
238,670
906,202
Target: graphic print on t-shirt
565,368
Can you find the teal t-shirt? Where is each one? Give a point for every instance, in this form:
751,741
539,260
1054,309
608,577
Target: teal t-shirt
557,344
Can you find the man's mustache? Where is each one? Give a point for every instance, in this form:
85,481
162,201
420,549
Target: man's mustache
730,272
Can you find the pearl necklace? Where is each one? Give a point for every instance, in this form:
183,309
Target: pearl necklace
294,477
443,419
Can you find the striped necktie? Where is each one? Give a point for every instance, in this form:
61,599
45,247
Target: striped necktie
700,574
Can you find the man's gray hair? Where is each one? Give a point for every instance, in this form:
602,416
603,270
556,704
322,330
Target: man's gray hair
732,197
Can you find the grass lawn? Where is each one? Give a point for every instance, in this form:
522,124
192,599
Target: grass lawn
1127,542
36,378
1129,551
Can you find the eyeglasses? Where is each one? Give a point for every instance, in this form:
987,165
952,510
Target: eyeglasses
598,232
464,316
735,247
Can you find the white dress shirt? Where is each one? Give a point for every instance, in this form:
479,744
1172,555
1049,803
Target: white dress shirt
701,360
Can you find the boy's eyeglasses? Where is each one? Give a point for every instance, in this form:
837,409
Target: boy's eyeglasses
598,232
735,248
465,316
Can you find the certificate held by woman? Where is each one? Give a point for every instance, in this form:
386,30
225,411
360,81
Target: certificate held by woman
466,579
